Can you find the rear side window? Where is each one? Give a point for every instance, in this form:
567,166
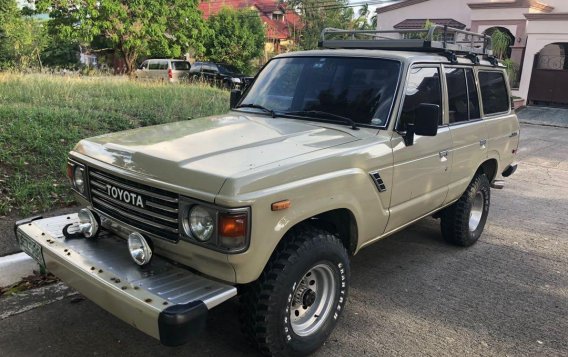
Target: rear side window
423,88
463,101
494,94
154,65
474,112
181,66
163,64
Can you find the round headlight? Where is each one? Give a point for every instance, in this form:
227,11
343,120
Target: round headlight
79,179
139,249
201,223
88,223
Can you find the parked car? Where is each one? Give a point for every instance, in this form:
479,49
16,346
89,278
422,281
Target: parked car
326,153
170,70
219,74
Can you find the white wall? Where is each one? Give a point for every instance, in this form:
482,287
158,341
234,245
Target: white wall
559,5
433,9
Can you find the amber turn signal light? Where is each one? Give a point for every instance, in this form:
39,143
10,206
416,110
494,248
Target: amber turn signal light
281,205
233,226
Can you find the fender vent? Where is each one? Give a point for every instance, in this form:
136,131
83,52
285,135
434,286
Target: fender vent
378,181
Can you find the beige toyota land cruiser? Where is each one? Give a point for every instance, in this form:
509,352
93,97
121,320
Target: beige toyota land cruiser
325,153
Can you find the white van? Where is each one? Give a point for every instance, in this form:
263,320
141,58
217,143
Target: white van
170,70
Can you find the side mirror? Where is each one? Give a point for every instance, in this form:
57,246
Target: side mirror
236,95
426,123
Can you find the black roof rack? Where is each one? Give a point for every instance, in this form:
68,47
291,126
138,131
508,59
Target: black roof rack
436,39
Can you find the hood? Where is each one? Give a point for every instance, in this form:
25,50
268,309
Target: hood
202,153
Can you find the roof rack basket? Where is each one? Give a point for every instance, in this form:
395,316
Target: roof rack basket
437,38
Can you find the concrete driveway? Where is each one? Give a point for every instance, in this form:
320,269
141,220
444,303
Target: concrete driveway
411,294
544,116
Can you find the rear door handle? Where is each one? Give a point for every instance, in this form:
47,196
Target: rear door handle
443,154
483,142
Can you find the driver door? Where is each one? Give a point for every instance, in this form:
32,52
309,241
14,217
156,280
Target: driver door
421,172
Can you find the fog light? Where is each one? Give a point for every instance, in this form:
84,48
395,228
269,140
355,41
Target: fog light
139,248
88,223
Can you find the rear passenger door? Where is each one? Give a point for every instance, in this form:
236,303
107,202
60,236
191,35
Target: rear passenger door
421,172
469,133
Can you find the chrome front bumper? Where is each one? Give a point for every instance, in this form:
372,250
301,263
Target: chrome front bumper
165,301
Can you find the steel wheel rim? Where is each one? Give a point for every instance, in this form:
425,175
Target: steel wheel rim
476,211
318,284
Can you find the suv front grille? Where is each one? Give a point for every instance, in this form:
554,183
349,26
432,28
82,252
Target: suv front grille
144,207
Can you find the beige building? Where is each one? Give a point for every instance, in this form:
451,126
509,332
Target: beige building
538,30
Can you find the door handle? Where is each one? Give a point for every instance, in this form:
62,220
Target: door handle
483,142
443,154
513,134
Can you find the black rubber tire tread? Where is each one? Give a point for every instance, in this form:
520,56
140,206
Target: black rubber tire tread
260,301
455,219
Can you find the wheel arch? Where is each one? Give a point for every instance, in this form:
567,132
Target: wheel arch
489,168
340,221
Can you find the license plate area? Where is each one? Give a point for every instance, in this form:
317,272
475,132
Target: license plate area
31,248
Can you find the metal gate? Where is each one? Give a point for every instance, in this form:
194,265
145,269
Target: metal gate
549,81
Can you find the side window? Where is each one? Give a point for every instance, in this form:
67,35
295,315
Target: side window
494,94
163,64
423,87
474,112
457,95
154,65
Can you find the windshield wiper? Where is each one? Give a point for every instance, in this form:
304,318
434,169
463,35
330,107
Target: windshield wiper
258,106
324,115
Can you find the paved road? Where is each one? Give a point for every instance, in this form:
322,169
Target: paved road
411,294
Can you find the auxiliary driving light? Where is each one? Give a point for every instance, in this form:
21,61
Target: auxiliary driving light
88,223
139,249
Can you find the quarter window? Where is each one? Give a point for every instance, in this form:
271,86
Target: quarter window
423,87
494,94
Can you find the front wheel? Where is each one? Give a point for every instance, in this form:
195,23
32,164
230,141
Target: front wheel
463,222
295,304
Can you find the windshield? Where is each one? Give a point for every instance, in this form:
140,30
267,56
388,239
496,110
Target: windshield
361,89
227,69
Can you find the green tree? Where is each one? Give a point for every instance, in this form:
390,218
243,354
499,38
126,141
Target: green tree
134,27
22,38
235,37
500,42
317,15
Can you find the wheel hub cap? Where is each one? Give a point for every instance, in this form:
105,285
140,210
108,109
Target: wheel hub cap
313,300
476,211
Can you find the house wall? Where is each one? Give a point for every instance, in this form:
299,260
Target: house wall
454,9
540,33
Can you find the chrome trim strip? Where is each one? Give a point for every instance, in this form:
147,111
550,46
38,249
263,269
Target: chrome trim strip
139,190
163,208
135,218
134,208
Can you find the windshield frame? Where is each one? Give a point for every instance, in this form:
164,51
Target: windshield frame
401,71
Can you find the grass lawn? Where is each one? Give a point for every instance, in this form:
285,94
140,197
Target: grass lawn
42,117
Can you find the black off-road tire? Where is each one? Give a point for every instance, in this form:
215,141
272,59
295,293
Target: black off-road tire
455,219
265,304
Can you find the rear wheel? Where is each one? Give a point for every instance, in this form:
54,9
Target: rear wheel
295,304
463,222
